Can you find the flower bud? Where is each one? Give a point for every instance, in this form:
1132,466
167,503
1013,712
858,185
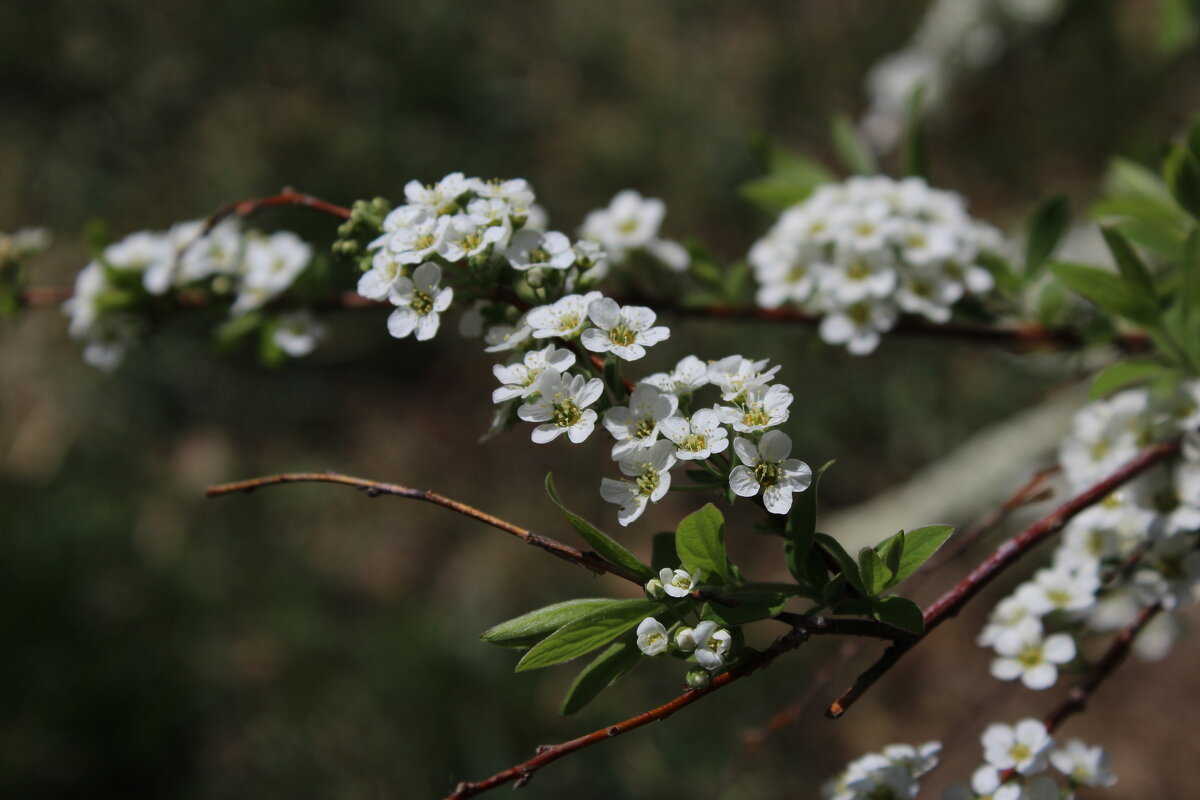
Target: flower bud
654,589
698,678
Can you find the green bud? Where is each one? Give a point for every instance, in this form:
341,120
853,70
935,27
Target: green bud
654,589
698,678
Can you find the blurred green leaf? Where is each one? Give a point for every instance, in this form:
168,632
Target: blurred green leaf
1130,265
914,155
853,150
700,543
1177,26
801,526
601,542
1046,227
919,547
902,613
529,629
1107,291
662,553
1127,373
1182,171
587,633
597,676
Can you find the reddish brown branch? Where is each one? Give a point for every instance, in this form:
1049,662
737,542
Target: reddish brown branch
950,603
584,559
287,197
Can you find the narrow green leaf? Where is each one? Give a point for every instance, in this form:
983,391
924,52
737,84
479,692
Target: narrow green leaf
902,613
1001,270
919,546
1130,265
777,192
914,155
1107,291
890,551
744,612
1125,177
1046,227
875,574
801,525
1127,373
605,669
1182,171
529,629
853,150
587,633
604,545
700,543
847,564
1165,240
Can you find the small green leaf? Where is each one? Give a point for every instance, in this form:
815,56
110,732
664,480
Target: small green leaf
1127,373
1046,227
914,154
529,629
587,633
700,543
847,564
1130,265
853,150
1108,291
902,613
875,574
745,611
601,542
1001,270
1182,171
605,669
777,192
801,525
919,546
1165,240
890,551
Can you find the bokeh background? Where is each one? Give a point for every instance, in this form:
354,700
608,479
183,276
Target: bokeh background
310,642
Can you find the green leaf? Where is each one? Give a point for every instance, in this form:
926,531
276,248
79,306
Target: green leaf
1190,266
1130,265
849,568
914,155
1127,373
1001,270
890,550
919,546
745,611
662,552
777,192
529,629
875,574
604,545
1049,303
605,669
851,148
902,613
1182,171
587,633
1046,227
700,543
1107,291
1165,240
1176,26
1125,177
801,525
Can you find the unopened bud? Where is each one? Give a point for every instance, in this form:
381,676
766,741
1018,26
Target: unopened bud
698,678
654,589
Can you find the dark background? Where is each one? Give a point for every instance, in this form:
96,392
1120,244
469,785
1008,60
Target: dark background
308,642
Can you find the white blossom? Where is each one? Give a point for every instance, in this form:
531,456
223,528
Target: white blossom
564,318
419,302
735,376
530,249
270,265
689,375
707,641
650,469
631,222
298,332
1023,747
518,379
678,582
561,405
696,437
652,637
624,331
758,409
766,467
1033,659
1083,765
637,425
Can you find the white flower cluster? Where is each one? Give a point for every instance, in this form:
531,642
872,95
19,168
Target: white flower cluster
631,223
860,252
23,243
707,644
253,267
1027,749
1158,512
663,405
954,37
893,774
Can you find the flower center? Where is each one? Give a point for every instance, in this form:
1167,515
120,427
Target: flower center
628,226
859,314
767,473
644,428
621,335
1166,500
1059,597
1100,449
568,322
424,242
797,273
566,413
422,303
538,256
756,417
857,270
1020,752
695,443
647,482
1031,656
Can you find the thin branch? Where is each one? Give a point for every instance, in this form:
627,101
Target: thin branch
287,197
843,626
950,603
588,560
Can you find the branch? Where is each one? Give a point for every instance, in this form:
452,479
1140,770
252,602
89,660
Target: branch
950,603
286,197
588,560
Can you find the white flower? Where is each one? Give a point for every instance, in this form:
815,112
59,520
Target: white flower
420,236
735,376
858,325
269,267
419,302
629,222
709,643
298,332
151,254
677,582
1169,573
625,331
650,470
592,261
441,197
530,249
500,338
1105,435
562,406
916,760
697,437
519,378
466,236
637,425
1062,590
216,253
652,637
758,409
380,280
1085,766
689,375
857,275
1011,621
1023,747
565,318
1033,659
766,466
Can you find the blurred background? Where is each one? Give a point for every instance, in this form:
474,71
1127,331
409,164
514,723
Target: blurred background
311,642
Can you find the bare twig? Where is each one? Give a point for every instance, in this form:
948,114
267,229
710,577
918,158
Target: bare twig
286,197
950,603
584,559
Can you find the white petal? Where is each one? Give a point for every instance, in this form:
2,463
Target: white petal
742,481
401,322
774,446
747,451
1059,648
778,499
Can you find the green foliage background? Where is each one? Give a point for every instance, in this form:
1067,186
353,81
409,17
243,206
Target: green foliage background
307,642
